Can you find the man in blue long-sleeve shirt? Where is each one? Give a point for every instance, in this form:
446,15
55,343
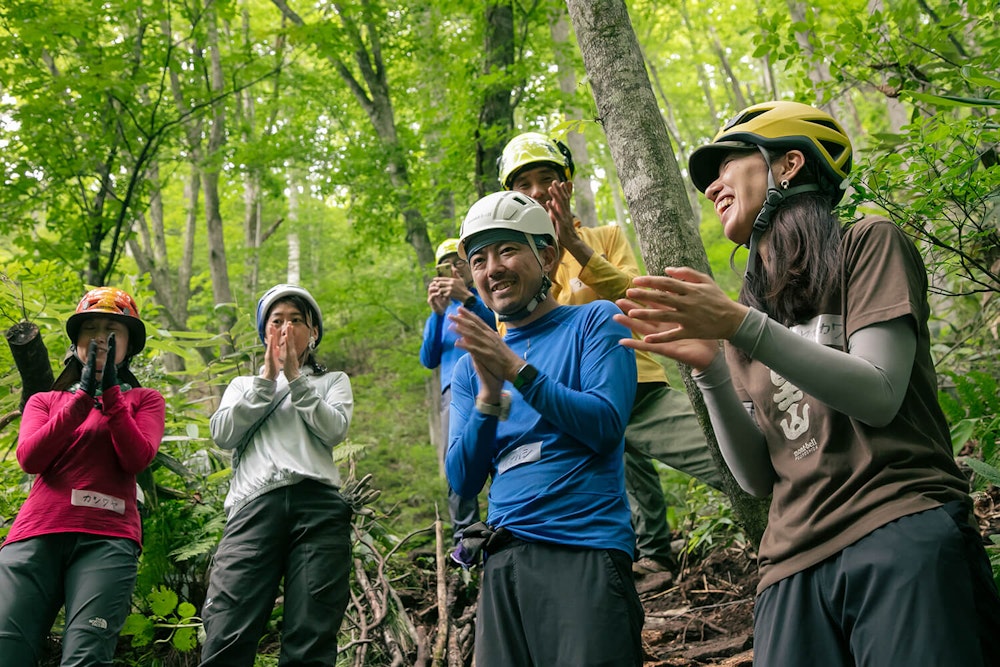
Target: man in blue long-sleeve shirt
542,412
451,288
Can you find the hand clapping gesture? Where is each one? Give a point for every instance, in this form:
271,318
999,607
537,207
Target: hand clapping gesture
281,353
681,315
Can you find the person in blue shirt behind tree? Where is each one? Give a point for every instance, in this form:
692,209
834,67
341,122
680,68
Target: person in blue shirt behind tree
451,288
542,412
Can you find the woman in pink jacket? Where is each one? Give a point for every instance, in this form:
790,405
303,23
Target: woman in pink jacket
76,539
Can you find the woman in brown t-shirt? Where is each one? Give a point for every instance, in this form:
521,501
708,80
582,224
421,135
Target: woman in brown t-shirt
826,400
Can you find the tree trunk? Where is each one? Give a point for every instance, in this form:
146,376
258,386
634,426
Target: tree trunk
377,104
651,180
583,192
31,358
294,266
217,264
496,118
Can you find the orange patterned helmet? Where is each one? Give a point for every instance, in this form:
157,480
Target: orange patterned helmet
114,303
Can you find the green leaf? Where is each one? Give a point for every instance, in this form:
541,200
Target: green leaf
186,610
163,601
140,627
984,470
185,639
961,431
950,100
977,78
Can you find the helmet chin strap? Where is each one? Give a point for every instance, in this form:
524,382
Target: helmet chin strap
540,295
762,222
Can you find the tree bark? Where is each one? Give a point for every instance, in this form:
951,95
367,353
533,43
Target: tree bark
650,178
583,192
31,358
496,118
217,263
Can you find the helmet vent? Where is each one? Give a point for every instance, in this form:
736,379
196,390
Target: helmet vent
834,149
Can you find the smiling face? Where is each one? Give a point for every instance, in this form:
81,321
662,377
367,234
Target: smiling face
738,193
508,275
535,182
98,328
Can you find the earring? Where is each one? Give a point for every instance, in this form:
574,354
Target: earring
784,184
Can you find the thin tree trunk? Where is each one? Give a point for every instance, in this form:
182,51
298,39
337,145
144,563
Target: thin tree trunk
583,191
376,101
651,180
217,264
496,118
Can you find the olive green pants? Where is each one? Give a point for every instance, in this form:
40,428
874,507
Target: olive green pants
662,426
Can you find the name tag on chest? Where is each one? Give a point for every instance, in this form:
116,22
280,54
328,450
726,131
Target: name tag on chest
524,454
96,500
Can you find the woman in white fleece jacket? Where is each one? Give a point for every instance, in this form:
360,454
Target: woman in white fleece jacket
285,516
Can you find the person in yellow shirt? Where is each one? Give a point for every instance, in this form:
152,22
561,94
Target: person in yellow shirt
598,263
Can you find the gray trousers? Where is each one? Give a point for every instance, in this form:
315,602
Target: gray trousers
916,592
544,605
462,512
662,426
301,533
92,575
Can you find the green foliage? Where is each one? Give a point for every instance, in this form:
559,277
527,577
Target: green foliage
166,620
700,513
972,406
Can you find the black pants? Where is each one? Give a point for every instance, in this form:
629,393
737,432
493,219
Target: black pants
543,605
302,533
91,574
916,592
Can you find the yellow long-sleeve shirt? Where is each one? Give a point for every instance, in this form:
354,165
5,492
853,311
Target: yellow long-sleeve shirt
608,273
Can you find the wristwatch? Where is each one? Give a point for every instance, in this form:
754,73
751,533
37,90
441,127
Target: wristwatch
499,411
470,302
525,376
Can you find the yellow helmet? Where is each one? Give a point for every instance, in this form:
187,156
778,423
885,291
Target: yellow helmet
784,126
447,247
532,148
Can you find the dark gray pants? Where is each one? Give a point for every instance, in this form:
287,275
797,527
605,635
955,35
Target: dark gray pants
542,605
92,575
302,533
916,592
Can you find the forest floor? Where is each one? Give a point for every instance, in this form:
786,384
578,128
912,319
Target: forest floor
703,615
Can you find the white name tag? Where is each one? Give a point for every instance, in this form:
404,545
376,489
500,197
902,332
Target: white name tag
827,329
101,501
523,454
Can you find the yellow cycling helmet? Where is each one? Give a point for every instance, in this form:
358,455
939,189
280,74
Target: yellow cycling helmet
780,126
447,247
533,149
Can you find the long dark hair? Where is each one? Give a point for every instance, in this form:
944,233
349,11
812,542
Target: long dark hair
303,307
803,263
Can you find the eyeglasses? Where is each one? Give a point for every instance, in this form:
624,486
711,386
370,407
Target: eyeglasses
458,263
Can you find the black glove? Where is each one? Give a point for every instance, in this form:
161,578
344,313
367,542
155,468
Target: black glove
88,381
110,377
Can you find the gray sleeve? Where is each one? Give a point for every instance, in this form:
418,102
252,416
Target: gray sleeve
244,402
742,444
867,383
